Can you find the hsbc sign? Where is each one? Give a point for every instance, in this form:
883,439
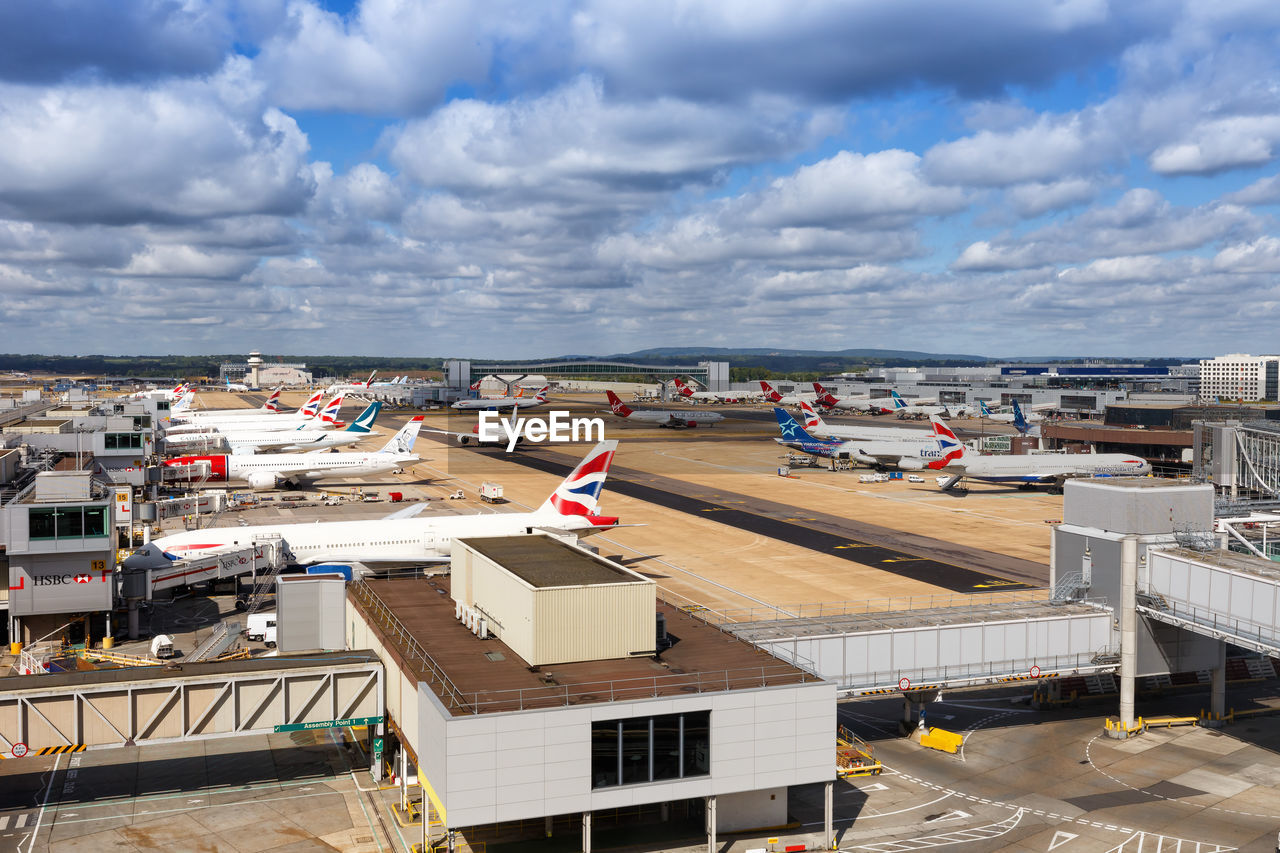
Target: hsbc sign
49,583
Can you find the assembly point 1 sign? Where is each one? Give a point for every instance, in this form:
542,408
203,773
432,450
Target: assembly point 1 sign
330,724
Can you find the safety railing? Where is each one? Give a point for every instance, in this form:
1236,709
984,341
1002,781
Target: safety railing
1010,670
395,631
717,620
554,695
1260,636
830,609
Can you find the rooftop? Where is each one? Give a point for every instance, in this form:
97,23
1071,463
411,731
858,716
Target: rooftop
857,623
1231,560
414,618
542,561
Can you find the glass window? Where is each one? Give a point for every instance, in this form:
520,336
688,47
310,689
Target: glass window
666,747
70,521
95,521
635,751
697,743
604,753
40,524
650,749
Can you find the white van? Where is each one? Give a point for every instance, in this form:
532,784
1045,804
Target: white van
914,478
262,627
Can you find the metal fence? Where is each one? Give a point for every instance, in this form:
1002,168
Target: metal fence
560,695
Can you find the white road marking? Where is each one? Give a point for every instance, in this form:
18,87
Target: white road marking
47,791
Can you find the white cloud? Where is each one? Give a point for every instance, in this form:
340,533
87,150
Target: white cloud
186,150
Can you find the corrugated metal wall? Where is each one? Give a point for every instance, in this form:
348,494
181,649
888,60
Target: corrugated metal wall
594,622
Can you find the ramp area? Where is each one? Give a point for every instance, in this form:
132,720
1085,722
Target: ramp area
983,642
1219,594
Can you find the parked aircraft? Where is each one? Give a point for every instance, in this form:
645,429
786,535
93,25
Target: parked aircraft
571,508
309,415
271,406
498,403
287,441
814,423
777,399
1027,471
687,418
1020,421
862,403
687,393
876,452
271,470
235,386
902,409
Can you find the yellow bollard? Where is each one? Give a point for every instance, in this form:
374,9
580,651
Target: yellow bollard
15,648
108,643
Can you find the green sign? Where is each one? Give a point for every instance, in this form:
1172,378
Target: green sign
377,749
330,724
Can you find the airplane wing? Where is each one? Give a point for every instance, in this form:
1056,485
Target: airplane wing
407,512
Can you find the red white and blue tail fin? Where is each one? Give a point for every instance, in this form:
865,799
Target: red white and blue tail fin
812,420
329,414
952,448
273,402
541,396
312,406
579,494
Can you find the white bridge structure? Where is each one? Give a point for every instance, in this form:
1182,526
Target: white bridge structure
141,705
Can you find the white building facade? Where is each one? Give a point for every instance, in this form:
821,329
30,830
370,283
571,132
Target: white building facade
1240,377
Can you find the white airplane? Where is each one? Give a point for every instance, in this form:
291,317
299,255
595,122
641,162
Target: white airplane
346,387
160,394
687,393
878,452
814,423
398,538
310,414
498,403
272,470
902,409
1022,423
675,420
792,399
236,386
271,406
858,403
1026,471
286,441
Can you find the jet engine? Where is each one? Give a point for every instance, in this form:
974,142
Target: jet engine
261,480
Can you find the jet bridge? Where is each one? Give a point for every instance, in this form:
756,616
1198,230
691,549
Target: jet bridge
149,569
870,651
1219,594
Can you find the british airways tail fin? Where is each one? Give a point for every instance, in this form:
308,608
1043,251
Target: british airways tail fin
952,448
579,493
812,420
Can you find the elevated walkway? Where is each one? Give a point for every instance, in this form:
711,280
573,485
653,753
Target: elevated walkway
985,642
148,571
164,704
1219,594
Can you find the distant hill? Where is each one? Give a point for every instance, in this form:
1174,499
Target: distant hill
723,352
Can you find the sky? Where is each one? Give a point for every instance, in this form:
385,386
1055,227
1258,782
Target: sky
511,179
